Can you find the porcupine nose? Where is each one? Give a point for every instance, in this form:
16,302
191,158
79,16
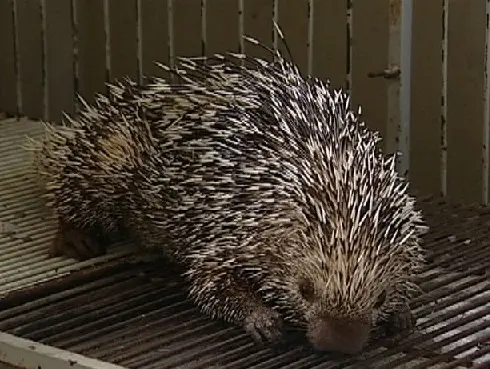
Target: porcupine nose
340,335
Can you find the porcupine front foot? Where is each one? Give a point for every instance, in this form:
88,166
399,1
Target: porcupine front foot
227,297
264,325
77,243
400,323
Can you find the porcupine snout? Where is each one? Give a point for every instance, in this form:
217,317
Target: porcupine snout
339,334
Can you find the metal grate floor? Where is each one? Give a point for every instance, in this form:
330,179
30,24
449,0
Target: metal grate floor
26,227
134,312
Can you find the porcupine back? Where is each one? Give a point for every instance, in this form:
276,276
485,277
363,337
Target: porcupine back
106,165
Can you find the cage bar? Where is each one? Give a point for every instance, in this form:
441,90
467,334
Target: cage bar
76,63
445,27
15,24
91,65
30,57
58,58
392,77
486,107
241,27
45,81
398,76
107,32
275,18
405,86
203,27
139,40
311,16
350,35
8,74
171,45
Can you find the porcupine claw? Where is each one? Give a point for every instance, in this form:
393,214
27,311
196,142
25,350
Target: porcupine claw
264,324
75,243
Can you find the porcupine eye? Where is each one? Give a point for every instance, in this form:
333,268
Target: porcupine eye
381,300
307,290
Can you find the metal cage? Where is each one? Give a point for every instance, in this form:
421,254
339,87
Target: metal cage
120,310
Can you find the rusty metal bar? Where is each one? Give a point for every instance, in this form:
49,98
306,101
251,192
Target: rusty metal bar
445,27
350,39
486,118
24,353
310,42
405,86
398,76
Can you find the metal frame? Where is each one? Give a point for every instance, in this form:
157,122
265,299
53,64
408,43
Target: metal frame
486,107
445,26
405,80
399,78
28,354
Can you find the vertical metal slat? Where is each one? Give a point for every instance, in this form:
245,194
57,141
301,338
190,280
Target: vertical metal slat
328,41
405,88
91,48
8,75
30,56
258,16
350,35
293,18
153,37
59,76
123,39
486,107
398,76
309,45
107,31
187,16
392,78
445,27
139,40
204,27
275,18
45,81
171,38
221,27
241,29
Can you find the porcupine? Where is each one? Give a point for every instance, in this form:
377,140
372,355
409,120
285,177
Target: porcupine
266,186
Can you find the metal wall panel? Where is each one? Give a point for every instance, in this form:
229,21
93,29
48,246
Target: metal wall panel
64,48
59,59
30,53
8,76
91,47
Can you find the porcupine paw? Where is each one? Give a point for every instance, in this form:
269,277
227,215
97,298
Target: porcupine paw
400,323
264,324
76,244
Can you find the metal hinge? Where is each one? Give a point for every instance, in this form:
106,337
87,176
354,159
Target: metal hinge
389,73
